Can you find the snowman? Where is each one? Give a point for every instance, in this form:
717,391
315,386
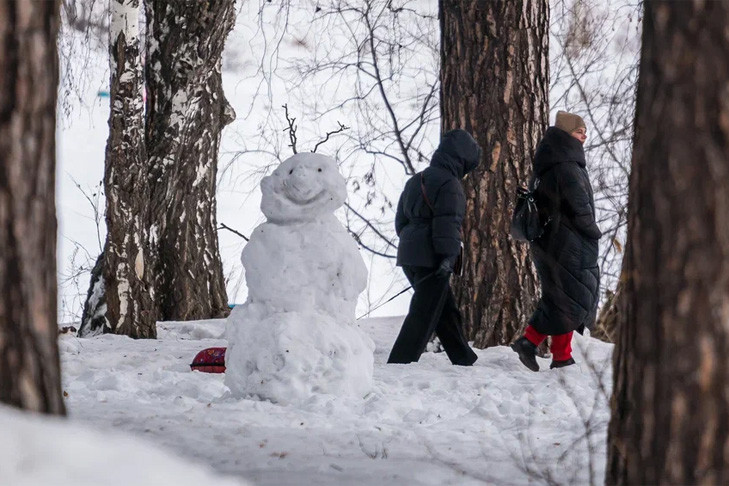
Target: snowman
296,336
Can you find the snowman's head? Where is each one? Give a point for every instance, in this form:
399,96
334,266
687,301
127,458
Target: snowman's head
303,188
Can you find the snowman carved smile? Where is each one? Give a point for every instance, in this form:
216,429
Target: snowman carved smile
302,196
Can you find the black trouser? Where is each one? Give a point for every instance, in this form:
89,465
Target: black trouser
433,308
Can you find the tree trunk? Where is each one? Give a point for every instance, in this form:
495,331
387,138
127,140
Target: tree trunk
30,375
127,276
670,407
161,260
494,83
186,111
606,325
93,318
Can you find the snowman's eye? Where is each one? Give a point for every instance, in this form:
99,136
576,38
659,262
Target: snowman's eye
319,169
291,171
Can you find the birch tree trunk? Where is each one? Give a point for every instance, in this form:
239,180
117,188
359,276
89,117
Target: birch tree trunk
494,83
29,365
670,404
127,281
186,111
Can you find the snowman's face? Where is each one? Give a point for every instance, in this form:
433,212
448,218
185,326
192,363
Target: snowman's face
303,188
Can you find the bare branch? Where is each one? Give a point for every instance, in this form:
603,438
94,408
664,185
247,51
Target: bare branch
226,227
371,250
329,134
291,128
371,226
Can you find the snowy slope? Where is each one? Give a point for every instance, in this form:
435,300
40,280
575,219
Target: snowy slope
424,423
39,450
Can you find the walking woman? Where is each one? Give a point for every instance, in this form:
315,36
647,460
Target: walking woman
566,254
428,222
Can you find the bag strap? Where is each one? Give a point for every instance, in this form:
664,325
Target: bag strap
425,196
535,180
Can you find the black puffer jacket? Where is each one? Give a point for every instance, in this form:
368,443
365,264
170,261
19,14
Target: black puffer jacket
429,235
566,255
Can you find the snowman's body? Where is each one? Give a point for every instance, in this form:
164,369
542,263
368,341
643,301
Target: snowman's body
295,335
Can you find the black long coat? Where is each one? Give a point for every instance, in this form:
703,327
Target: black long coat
566,255
429,235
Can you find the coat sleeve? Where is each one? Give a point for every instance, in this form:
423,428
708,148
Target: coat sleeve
400,219
448,209
577,199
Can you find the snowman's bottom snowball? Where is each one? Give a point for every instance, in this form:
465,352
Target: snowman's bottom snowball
288,357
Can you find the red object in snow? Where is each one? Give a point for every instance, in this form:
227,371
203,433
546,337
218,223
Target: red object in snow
209,360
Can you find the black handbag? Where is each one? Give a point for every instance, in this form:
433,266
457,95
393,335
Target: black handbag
526,224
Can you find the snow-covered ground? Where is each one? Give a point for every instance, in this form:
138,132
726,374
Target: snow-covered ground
38,451
423,423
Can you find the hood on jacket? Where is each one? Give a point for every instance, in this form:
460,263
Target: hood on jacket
458,153
556,147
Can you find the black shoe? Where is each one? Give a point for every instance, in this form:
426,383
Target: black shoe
467,361
561,364
527,352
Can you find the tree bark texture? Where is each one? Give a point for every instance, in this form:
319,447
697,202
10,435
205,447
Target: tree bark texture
186,111
30,375
93,319
127,275
606,325
670,404
494,83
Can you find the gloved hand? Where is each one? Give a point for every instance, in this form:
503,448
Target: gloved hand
446,267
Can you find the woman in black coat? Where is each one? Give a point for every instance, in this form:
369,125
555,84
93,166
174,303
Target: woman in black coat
566,254
428,222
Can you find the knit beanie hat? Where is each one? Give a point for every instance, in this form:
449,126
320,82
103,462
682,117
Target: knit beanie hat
568,122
